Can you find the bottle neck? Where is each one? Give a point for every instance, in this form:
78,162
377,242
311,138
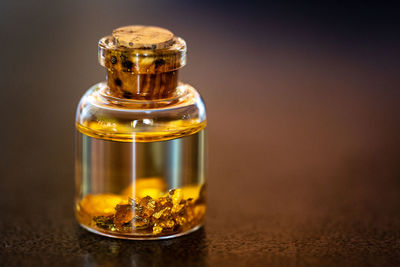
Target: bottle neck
142,86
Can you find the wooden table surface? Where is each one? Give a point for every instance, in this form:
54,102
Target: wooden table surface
303,133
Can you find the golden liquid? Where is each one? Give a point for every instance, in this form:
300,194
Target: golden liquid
154,186
115,132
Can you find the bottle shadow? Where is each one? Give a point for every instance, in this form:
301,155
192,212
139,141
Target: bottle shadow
186,250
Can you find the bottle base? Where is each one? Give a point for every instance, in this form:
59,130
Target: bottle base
140,237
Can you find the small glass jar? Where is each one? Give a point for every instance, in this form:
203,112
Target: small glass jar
140,155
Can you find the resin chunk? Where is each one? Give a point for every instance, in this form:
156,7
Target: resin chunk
123,214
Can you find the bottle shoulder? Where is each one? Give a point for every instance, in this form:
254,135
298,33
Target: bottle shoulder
103,116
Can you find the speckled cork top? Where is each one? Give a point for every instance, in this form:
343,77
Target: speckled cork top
142,61
149,49
138,36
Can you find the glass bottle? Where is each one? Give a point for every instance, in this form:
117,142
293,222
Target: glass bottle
140,162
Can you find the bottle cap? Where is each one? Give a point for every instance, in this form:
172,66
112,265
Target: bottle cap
142,50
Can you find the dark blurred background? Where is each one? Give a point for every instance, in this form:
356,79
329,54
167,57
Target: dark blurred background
304,133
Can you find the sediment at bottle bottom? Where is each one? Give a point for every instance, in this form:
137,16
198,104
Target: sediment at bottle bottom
121,215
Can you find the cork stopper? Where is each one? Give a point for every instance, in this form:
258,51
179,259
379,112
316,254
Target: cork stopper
142,61
142,50
143,37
